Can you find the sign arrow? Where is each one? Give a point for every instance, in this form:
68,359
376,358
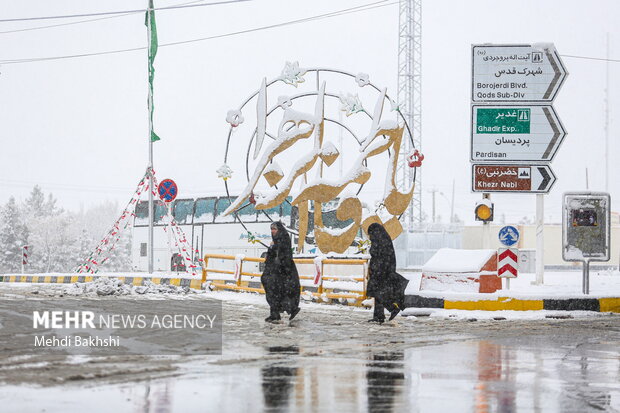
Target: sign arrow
546,179
508,235
507,268
508,254
556,70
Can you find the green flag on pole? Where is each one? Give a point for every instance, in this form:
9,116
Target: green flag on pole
152,37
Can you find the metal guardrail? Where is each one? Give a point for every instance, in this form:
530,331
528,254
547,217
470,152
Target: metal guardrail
319,263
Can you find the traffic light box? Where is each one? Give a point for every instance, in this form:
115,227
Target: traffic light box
484,210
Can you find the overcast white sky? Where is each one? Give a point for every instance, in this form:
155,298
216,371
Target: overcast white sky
78,127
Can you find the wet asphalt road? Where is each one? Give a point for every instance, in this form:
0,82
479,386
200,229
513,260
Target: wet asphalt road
331,359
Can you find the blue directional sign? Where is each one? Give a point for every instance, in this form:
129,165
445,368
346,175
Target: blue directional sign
508,235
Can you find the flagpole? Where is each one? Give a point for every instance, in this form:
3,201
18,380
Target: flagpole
150,166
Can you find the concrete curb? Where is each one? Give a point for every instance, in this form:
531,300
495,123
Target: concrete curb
602,305
195,284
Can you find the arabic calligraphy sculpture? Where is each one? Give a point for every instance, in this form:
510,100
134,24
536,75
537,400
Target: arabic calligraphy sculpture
291,153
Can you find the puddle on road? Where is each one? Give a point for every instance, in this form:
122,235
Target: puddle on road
477,376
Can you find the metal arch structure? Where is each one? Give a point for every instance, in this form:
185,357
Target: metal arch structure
410,98
406,141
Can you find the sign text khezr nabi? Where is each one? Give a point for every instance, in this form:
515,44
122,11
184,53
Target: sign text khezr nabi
512,178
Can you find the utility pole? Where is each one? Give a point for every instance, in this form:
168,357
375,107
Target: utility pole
150,165
540,239
151,32
607,118
486,227
452,204
433,192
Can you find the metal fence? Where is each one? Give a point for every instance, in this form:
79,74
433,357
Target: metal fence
414,249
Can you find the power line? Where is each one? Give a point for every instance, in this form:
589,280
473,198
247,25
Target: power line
342,12
62,186
591,58
81,21
64,24
107,13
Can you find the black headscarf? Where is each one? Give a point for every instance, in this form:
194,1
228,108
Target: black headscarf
282,235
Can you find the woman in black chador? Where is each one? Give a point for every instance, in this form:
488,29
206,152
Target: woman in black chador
280,278
384,283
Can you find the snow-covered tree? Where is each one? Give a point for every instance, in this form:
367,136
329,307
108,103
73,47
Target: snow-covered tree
58,240
34,204
120,256
53,237
13,236
96,222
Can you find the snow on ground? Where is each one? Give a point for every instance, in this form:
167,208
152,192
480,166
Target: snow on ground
566,284
557,285
113,286
470,315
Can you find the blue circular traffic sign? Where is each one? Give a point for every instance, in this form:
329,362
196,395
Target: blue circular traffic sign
167,190
508,235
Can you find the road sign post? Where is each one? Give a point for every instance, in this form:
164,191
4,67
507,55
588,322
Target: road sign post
515,131
508,258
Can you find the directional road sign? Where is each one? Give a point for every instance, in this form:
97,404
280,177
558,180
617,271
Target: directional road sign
512,178
515,133
507,262
516,73
508,235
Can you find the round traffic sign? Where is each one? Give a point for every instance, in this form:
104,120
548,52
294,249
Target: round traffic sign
508,235
167,190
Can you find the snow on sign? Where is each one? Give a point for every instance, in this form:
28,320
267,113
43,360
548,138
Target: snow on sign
516,73
167,190
515,133
512,178
507,262
508,235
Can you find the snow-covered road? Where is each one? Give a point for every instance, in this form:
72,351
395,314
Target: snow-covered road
331,359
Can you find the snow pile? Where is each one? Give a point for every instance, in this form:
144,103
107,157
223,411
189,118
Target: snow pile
457,282
456,260
104,286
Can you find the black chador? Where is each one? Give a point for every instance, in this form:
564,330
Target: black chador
384,283
280,278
